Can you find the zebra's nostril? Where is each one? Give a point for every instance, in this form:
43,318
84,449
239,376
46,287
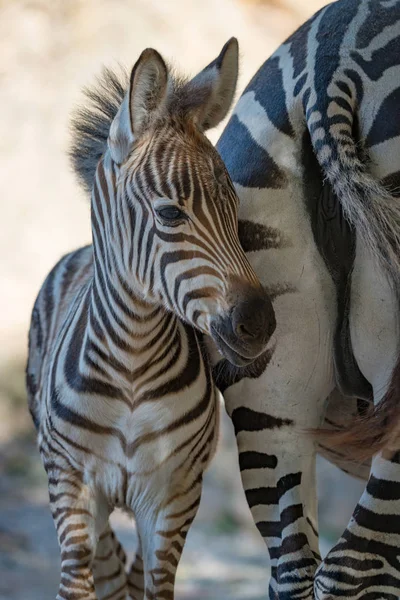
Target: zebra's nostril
243,331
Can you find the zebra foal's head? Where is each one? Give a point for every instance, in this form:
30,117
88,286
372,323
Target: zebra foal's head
164,200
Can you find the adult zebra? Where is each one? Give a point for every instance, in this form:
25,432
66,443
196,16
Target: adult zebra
313,148
118,387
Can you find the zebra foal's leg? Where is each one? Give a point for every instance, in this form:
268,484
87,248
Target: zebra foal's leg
162,535
79,517
109,567
136,576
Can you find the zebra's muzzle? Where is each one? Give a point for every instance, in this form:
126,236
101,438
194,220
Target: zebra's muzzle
243,334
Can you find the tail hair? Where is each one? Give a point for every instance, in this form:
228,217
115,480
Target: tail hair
375,215
378,429
367,205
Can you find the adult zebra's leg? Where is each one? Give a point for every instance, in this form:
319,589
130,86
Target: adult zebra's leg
277,464
278,474
364,563
272,403
110,578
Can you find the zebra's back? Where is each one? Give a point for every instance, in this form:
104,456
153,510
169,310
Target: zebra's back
65,281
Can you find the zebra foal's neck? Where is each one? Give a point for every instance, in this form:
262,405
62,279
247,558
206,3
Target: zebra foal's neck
125,330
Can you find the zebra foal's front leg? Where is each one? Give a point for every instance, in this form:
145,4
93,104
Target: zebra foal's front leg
136,576
79,517
110,578
162,532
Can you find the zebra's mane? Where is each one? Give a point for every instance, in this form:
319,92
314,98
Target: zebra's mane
90,124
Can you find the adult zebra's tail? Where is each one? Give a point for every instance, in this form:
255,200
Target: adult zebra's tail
371,433
368,206
375,215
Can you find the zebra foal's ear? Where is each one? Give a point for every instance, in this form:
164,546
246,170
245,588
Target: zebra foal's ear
217,85
143,102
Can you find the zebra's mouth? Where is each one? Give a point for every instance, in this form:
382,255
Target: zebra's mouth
234,357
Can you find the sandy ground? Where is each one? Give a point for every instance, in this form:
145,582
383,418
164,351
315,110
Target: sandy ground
48,50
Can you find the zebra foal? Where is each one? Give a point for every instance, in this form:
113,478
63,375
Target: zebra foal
119,388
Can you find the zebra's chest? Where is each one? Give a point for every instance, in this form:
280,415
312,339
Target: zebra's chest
124,431
126,449
126,474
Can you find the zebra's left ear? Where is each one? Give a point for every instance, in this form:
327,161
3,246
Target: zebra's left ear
144,101
217,85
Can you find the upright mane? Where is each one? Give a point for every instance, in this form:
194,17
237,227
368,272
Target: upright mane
91,124
205,97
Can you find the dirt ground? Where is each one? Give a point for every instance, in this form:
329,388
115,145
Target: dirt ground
48,50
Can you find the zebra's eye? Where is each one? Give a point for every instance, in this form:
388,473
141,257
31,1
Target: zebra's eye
170,213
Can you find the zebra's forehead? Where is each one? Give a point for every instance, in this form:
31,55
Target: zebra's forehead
179,159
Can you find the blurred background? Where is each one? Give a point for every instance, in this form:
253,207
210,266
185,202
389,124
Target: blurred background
48,50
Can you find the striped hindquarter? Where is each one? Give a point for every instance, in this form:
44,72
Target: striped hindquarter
119,386
312,148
